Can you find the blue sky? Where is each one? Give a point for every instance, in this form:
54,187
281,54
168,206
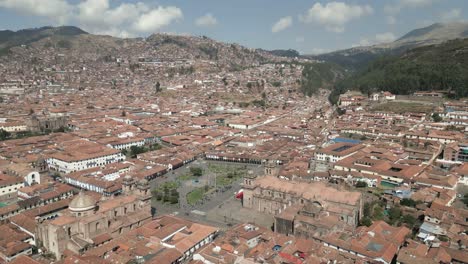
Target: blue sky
304,25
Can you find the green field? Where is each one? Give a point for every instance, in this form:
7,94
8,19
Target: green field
186,177
196,195
403,107
226,175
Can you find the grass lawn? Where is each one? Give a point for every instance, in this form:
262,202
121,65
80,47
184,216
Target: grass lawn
403,107
224,180
170,185
196,195
217,168
186,177
226,175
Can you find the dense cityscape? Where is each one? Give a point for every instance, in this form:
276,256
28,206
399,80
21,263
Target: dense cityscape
183,149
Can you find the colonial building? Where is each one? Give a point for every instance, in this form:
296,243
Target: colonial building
81,155
87,219
47,123
326,157
9,186
272,195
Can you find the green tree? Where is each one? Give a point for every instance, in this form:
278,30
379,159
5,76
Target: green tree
436,117
155,146
4,134
276,84
408,202
394,215
166,194
174,197
259,103
361,184
135,150
366,221
409,220
196,171
378,213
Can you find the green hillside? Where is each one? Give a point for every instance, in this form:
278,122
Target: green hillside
320,75
437,67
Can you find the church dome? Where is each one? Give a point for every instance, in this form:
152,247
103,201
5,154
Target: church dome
82,203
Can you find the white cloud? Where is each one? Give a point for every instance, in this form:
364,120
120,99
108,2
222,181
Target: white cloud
207,20
98,16
282,24
397,6
157,18
56,10
416,3
335,15
451,15
300,39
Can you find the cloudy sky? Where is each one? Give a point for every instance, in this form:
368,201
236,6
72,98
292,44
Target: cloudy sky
305,25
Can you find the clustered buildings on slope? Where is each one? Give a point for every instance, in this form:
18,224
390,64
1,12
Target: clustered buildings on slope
74,191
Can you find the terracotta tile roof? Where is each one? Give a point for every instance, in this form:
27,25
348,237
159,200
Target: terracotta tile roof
309,191
24,260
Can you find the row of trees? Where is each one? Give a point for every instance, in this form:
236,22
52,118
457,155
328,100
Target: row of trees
166,195
5,135
135,150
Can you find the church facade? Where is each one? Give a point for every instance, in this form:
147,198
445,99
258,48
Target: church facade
87,221
301,207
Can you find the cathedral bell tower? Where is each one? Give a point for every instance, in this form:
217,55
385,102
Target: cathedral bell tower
271,168
128,184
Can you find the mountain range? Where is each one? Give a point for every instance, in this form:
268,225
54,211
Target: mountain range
84,45
10,38
429,58
358,57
